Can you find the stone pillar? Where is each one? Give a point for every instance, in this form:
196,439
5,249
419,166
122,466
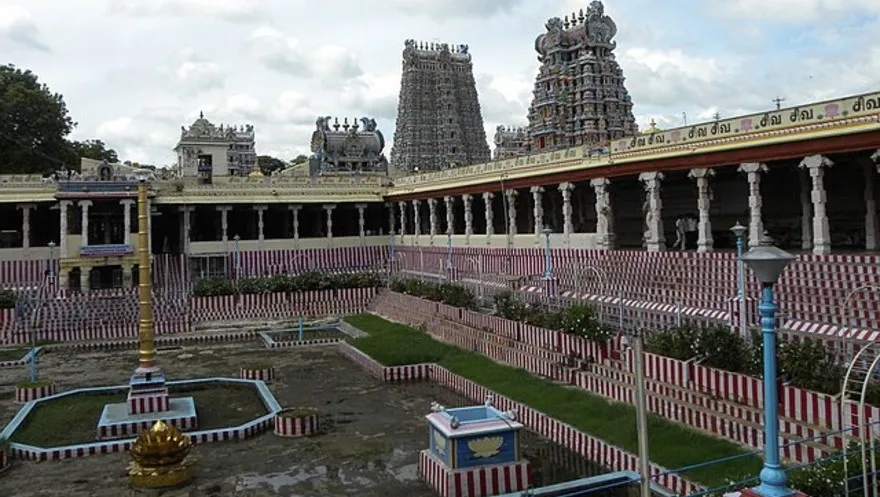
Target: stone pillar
362,232
85,282
490,216
655,241
450,214
511,215
417,219
402,206
329,208
432,219
224,222
816,165
705,242
538,200
261,209
806,210
567,228
84,205
604,214
753,172
468,201
871,223
185,228
294,209
126,219
127,276
26,224
62,240
391,230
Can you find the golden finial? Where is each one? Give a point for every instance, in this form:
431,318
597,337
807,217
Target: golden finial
160,458
147,348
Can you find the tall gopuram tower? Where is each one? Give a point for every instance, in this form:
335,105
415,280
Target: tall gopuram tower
439,123
579,96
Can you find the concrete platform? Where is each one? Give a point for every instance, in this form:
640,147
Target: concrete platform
116,422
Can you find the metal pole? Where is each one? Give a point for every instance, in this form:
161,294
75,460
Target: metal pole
678,313
773,477
548,269
641,415
741,276
449,249
300,328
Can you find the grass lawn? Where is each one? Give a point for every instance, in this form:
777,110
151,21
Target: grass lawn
13,354
671,445
74,419
293,335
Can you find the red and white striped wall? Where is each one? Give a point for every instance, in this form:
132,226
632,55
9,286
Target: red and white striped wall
483,481
148,403
262,374
123,430
409,372
300,426
25,394
5,460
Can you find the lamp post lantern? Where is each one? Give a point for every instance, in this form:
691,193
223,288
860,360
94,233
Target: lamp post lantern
739,231
767,263
548,263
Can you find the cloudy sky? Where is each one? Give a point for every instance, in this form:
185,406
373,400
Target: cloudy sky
133,71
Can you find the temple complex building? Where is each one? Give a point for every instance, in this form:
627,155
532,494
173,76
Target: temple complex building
207,151
439,122
510,142
347,148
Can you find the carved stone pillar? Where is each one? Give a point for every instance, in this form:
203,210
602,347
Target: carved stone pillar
127,276
185,228
511,215
417,218
604,214
490,216
655,241
85,282
402,209
567,227
468,201
224,222
450,214
753,172
806,210
538,201
432,219
816,165
329,208
26,224
294,209
261,209
704,200
871,223
62,240
84,205
126,219
362,232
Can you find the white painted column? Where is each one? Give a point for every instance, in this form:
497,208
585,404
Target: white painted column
753,172
490,216
816,165
329,208
261,210
604,214
450,214
417,219
872,226
62,240
185,228
402,206
567,227
362,232
224,222
26,224
655,241
126,219
391,228
538,212
295,210
806,210
468,201
84,205
432,219
705,241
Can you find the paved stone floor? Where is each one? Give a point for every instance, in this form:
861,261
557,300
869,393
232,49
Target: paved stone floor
370,449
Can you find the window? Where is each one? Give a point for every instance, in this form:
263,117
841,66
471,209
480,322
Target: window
210,266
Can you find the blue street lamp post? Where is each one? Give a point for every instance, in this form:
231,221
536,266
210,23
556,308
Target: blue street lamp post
767,263
548,263
236,259
739,231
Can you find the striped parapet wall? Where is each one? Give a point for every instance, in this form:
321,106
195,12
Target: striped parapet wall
289,426
258,263
232,433
483,481
264,374
271,343
388,374
593,448
28,393
126,430
26,358
173,341
281,305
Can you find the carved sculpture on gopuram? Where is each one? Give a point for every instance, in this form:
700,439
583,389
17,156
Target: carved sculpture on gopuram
347,146
579,97
510,142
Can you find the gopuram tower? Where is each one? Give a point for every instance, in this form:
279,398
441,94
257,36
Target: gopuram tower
579,96
439,122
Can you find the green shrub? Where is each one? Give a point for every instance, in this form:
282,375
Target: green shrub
213,287
446,293
305,282
582,320
7,299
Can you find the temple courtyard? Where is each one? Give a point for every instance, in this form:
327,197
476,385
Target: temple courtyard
370,448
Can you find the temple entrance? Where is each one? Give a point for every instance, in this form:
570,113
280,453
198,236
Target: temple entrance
105,277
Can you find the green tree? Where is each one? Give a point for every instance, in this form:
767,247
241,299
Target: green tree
34,123
299,159
269,164
92,149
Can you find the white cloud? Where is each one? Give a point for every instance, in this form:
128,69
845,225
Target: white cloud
372,95
136,141
230,10
795,11
450,9
17,24
282,53
195,74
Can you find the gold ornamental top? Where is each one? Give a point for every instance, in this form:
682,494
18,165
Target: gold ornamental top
160,446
